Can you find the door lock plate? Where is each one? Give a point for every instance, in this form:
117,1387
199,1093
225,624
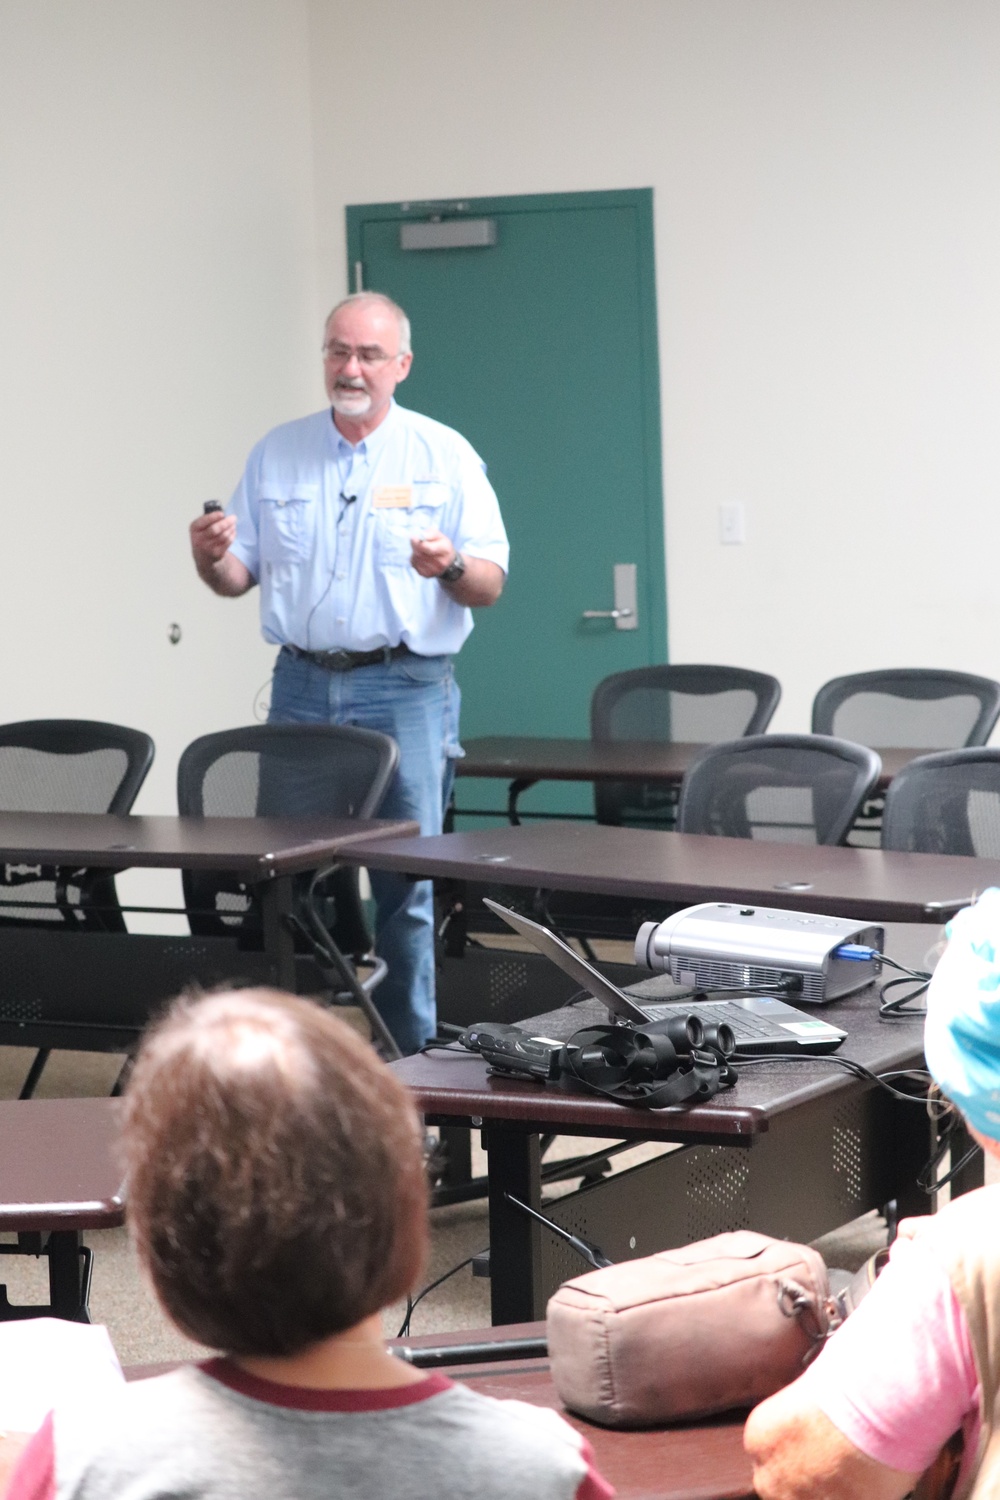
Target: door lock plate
625,613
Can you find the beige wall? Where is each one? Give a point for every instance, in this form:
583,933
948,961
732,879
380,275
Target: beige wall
172,187
827,195
157,297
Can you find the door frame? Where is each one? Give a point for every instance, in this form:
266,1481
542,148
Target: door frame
640,201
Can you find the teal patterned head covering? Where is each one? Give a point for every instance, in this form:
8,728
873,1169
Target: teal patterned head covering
962,1035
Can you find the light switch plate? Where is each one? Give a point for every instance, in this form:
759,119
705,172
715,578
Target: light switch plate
732,523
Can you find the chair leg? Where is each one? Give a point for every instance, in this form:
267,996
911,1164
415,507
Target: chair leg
384,1040
35,1072
381,1035
330,958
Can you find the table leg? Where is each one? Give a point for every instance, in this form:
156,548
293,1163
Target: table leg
279,944
515,1240
972,1175
456,1156
911,1137
518,785
453,1181
67,1289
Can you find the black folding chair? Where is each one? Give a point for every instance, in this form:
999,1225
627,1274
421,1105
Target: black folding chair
908,706
66,766
948,803
685,704
790,788
293,770
923,709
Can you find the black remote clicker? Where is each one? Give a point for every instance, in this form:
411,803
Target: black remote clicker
508,1049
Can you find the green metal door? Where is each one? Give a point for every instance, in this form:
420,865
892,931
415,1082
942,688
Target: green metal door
542,350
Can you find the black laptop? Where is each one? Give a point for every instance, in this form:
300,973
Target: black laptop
760,1023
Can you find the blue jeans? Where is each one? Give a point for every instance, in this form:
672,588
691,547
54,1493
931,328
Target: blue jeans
416,700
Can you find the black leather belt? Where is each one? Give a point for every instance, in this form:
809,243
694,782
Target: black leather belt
347,661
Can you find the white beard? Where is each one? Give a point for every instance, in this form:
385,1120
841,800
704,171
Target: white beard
351,401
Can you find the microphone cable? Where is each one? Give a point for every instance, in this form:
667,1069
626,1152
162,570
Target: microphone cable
345,502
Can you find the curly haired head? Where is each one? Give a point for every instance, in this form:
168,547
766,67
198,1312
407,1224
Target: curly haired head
276,1190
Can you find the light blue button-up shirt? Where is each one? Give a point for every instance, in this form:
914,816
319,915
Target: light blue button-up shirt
334,571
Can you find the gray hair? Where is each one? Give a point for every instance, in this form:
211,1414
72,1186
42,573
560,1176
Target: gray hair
402,320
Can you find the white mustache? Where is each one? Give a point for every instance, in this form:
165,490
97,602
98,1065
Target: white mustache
346,384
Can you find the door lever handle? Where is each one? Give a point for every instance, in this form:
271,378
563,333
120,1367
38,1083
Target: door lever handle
625,612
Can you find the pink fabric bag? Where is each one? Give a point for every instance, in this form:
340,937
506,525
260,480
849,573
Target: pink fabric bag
717,1324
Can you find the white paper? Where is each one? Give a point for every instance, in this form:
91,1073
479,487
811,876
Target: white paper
47,1362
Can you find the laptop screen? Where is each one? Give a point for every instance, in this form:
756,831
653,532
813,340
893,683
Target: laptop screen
585,975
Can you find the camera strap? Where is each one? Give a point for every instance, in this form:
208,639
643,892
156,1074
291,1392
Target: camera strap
643,1068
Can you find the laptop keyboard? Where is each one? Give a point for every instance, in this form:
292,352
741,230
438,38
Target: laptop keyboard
745,1025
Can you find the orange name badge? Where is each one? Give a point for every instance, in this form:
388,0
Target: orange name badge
393,497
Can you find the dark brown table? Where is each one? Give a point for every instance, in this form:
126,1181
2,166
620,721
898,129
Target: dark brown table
872,884
523,760
54,979
264,849
795,1149
58,1176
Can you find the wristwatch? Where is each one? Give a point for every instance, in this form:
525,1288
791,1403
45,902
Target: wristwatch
453,572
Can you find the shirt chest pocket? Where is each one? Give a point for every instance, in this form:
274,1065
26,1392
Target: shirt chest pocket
396,528
287,522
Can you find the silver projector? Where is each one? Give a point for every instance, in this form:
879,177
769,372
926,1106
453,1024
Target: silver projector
717,946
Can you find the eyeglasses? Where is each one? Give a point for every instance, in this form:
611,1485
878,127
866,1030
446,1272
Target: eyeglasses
368,354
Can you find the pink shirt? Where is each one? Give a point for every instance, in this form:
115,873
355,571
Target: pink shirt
899,1377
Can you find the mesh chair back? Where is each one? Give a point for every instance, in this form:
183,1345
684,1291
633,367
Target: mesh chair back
947,803
68,766
909,707
794,788
281,770
696,705
71,765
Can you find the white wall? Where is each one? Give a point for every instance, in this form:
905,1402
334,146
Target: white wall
157,315
827,195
